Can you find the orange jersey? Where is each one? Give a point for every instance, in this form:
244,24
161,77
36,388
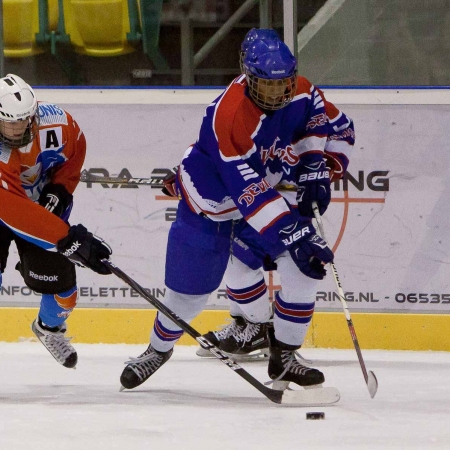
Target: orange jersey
56,155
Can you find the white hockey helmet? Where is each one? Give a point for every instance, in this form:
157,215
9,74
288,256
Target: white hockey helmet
19,120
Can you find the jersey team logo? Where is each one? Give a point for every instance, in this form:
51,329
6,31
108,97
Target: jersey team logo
285,155
317,121
252,191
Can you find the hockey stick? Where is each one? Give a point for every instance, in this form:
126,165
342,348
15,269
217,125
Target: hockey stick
86,177
299,398
371,379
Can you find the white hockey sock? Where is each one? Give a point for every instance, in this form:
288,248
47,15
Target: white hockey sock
165,333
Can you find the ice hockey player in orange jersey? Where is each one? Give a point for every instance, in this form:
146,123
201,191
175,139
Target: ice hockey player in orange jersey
42,150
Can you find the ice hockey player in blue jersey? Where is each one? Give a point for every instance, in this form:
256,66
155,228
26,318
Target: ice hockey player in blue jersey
268,127
245,335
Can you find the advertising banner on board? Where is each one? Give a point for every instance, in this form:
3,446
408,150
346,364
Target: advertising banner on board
388,223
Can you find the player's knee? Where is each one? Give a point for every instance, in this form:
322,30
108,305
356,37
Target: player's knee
239,275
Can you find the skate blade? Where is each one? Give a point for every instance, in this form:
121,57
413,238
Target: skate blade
311,397
257,355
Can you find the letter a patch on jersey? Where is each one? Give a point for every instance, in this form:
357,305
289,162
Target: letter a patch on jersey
51,138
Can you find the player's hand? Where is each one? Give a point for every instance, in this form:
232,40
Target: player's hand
308,250
313,181
337,165
55,198
310,255
170,188
85,249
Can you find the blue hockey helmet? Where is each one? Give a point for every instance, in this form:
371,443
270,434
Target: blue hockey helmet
271,73
250,37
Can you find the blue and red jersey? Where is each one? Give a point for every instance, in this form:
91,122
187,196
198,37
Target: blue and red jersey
242,153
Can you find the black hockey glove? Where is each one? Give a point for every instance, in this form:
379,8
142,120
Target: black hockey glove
307,249
313,181
55,198
84,249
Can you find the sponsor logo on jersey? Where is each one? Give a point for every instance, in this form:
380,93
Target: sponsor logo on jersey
51,114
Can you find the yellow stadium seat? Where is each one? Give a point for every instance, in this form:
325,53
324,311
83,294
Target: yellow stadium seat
20,23
53,14
98,27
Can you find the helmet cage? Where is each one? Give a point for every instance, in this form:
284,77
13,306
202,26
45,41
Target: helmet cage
272,94
8,131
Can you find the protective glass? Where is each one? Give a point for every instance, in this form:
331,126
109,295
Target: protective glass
241,60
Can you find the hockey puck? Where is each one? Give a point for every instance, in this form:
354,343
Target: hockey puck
315,415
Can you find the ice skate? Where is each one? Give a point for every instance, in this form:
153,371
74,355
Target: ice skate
56,343
216,336
240,339
143,367
285,368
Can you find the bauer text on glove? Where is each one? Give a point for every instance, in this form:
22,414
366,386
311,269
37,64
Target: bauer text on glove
313,181
308,250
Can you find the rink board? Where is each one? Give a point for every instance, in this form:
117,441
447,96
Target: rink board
327,330
389,222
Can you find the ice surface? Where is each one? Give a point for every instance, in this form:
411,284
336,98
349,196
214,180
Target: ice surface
194,403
